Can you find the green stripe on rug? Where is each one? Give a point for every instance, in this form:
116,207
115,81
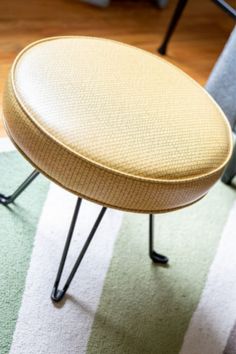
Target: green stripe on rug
18,225
146,308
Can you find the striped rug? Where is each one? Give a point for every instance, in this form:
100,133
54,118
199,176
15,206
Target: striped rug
119,301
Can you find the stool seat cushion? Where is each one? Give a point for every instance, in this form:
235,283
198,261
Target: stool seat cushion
115,124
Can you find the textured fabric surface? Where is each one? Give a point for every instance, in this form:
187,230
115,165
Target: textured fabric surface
222,86
131,305
115,124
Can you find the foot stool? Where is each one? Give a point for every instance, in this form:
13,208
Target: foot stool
115,125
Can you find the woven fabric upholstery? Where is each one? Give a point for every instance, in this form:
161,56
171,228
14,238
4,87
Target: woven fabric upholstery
115,124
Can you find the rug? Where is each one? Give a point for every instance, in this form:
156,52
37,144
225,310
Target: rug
119,302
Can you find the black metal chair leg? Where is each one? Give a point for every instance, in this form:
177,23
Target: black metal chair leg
57,294
155,257
173,23
5,200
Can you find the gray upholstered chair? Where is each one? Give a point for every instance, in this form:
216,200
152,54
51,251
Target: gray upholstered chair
222,86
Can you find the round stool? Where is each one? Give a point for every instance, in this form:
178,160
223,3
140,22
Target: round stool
115,125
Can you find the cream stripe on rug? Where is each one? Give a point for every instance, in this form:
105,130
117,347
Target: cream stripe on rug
215,315
41,326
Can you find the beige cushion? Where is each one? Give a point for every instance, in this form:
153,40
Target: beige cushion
115,124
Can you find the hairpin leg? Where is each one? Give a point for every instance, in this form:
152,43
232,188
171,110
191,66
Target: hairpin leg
57,294
5,200
155,257
173,23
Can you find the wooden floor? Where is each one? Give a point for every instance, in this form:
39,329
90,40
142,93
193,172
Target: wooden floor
199,38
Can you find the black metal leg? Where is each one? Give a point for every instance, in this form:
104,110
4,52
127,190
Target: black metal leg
173,23
155,257
57,294
5,200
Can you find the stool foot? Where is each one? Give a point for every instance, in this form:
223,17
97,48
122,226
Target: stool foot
5,200
158,258
58,294
162,49
155,257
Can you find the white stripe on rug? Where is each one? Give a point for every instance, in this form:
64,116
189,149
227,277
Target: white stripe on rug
215,315
41,326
